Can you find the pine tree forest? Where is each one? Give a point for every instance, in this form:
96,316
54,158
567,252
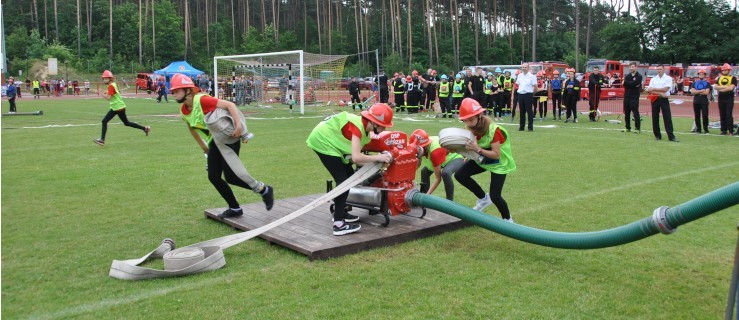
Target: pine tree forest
126,35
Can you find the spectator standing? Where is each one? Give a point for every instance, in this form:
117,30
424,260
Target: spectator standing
632,91
700,89
11,92
659,92
527,85
595,86
354,93
725,85
571,95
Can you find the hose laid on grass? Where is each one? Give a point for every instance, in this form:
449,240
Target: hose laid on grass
663,220
208,255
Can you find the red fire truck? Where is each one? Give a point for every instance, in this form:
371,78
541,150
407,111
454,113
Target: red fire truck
548,67
712,72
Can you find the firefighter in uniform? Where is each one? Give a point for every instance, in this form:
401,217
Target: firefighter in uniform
505,97
556,96
399,92
413,86
491,92
725,85
700,90
458,90
595,85
444,89
571,95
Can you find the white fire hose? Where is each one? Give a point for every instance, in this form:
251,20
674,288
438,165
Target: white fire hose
208,255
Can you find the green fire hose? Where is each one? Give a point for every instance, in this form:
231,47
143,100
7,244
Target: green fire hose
663,220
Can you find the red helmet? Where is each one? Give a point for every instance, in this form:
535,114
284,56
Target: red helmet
180,81
408,78
469,108
107,74
379,113
420,138
726,67
703,71
570,70
556,72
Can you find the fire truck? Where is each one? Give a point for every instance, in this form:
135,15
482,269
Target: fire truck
613,68
548,67
672,71
712,72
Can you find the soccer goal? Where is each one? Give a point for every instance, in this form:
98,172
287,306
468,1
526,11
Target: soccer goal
288,78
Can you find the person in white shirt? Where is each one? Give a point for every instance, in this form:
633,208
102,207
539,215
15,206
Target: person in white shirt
526,87
659,92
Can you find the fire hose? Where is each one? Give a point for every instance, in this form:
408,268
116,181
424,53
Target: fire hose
663,220
208,255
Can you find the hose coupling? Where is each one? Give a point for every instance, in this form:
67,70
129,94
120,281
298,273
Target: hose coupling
409,197
659,220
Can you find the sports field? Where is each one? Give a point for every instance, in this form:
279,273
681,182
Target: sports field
69,207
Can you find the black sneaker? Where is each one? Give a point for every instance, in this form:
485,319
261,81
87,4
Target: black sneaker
231,214
268,196
99,142
347,228
351,218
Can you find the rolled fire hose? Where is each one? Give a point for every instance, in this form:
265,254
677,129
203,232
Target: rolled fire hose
208,255
663,220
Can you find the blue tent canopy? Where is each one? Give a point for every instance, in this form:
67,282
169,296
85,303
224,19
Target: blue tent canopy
179,67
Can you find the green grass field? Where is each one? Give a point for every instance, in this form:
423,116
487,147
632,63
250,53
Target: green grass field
69,207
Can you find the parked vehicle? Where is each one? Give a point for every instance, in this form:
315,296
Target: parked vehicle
141,81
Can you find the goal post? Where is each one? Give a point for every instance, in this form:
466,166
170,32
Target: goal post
278,78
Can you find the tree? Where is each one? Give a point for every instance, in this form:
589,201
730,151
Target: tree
621,40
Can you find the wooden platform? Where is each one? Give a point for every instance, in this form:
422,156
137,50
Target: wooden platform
311,233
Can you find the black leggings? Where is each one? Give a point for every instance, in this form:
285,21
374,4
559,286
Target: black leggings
218,167
340,172
464,176
121,114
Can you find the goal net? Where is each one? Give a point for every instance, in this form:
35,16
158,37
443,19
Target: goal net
280,79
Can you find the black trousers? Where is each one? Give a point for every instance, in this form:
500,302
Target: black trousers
701,113
525,101
355,100
444,104
456,102
631,106
340,172
217,168
514,106
464,176
399,102
122,115
384,95
11,102
162,93
725,112
505,101
557,105
430,98
594,102
571,105
662,105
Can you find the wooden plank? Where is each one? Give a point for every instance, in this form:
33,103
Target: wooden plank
310,234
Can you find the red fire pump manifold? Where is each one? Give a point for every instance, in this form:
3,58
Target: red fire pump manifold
384,193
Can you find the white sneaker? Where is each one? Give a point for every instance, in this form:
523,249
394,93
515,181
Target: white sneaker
509,220
483,203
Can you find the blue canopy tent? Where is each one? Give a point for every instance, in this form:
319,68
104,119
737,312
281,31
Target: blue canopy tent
178,67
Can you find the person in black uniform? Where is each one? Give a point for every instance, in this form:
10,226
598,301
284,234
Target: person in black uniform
571,95
431,82
476,86
384,92
632,90
700,90
595,85
354,92
399,92
725,85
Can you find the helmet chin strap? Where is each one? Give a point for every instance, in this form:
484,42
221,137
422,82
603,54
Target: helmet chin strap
374,128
